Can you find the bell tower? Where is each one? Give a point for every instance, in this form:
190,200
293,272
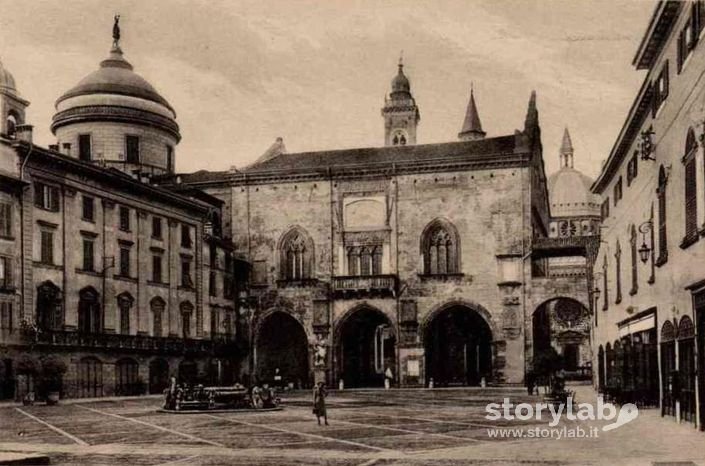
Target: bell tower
12,106
401,115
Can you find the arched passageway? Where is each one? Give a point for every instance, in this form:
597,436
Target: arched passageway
281,342
158,375
458,345
366,347
560,336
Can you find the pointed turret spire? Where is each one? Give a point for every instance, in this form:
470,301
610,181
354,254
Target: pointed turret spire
472,127
532,114
566,153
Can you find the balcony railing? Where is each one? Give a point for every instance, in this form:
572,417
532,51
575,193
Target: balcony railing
136,343
372,285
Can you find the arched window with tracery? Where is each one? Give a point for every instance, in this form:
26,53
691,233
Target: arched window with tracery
440,247
296,256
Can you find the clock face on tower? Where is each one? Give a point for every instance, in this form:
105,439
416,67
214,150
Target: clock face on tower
399,137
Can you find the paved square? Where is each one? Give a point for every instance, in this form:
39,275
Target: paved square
397,427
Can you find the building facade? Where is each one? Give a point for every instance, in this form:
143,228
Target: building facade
414,260
121,281
648,327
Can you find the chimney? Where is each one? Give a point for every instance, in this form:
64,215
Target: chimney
66,148
24,133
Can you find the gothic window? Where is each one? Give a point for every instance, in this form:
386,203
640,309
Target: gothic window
691,197
662,233
50,310
618,272
89,312
296,256
402,140
157,305
125,302
634,258
441,249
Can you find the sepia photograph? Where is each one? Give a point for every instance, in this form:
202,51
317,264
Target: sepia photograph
352,232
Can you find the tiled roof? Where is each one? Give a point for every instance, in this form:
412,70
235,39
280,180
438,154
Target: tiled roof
386,155
370,158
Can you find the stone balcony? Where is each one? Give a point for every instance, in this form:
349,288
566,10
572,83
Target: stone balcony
359,286
133,343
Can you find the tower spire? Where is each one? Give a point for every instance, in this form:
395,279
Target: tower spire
566,152
472,127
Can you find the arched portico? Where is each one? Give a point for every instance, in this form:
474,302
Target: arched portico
365,340
281,343
458,340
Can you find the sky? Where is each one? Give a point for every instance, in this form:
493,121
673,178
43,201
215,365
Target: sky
315,72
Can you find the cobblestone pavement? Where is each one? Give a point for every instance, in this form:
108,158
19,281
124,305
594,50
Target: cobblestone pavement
375,427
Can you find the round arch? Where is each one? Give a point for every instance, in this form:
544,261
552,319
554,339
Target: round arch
458,341
365,346
281,342
158,375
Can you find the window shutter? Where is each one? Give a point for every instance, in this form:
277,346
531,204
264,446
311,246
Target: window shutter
38,195
54,199
691,227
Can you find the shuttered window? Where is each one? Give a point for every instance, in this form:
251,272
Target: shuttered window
47,247
88,256
691,199
662,224
6,220
46,197
5,272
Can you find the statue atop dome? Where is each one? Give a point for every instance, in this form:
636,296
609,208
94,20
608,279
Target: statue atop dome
116,32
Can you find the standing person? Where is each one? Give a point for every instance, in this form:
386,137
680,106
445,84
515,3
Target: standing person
278,381
319,402
388,377
530,382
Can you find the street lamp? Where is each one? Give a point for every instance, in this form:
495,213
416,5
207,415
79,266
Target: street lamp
644,250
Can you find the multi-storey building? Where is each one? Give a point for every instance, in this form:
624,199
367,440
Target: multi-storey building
413,258
125,282
651,309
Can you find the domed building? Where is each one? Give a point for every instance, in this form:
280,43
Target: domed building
575,210
117,118
12,106
90,244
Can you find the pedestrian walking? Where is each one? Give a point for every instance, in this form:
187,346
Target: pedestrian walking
319,402
530,382
388,377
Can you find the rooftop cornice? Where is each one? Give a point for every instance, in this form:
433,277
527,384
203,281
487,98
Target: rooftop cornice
662,20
